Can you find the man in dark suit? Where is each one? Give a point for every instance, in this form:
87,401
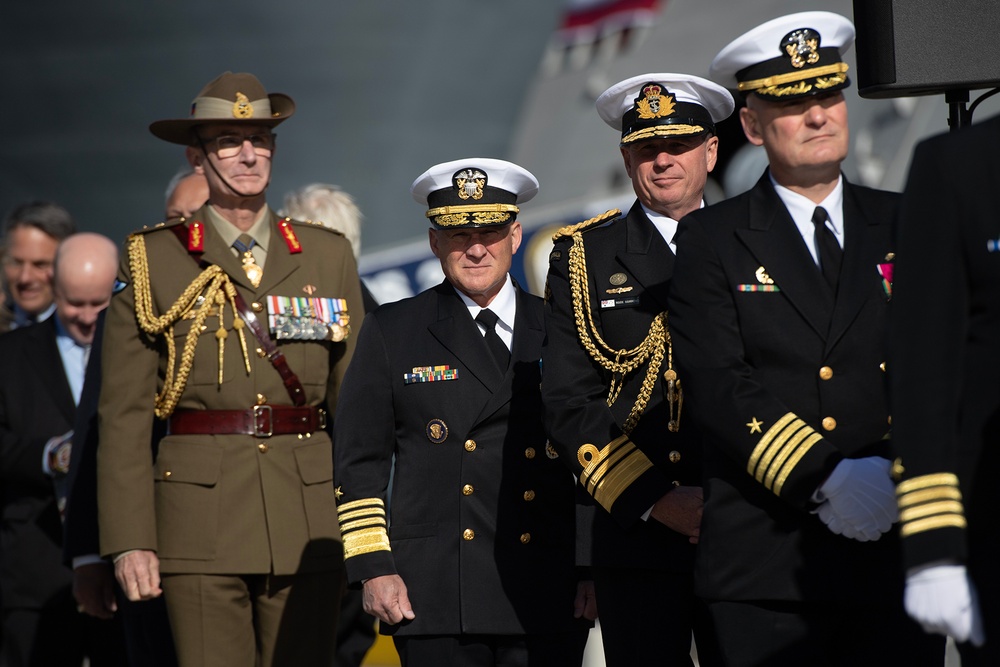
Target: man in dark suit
943,369
778,311
612,415
469,560
41,375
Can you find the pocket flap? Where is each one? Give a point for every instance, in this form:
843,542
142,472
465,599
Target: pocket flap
315,463
188,462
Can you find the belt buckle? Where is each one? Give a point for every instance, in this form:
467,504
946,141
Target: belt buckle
259,410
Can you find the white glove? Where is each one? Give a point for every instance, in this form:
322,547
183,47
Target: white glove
943,600
860,499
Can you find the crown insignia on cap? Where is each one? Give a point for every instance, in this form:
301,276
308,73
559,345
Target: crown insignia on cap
470,183
802,46
652,104
242,107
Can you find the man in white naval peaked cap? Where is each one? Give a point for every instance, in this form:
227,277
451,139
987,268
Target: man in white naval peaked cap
473,562
612,397
778,311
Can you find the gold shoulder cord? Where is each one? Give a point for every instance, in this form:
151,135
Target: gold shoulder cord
217,288
622,362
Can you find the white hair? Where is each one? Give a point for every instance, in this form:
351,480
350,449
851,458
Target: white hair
329,205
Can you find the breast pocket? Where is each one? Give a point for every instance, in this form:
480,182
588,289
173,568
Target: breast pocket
205,351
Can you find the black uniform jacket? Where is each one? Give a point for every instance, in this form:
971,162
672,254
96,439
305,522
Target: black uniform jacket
480,517
945,350
628,268
784,380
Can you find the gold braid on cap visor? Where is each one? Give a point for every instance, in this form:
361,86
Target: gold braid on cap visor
790,77
480,214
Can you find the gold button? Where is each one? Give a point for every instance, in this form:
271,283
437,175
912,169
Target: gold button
470,445
829,423
261,353
261,399
204,327
825,373
262,447
525,538
529,452
882,366
468,534
890,420
675,483
467,490
167,474
529,495
674,456
257,307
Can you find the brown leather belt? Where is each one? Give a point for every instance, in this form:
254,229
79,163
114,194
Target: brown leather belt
261,421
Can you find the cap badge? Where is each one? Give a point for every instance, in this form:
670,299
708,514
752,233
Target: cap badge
242,107
802,47
470,183
654,103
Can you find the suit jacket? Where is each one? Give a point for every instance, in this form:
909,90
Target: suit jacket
481,515
945,352
786,380
222,503
36,404
628,269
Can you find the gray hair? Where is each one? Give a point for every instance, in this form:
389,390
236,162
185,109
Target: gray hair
329,205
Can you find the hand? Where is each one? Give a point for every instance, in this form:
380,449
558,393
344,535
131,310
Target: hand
585,604
943,600
860,499
94,589
385,598
138,573
680,511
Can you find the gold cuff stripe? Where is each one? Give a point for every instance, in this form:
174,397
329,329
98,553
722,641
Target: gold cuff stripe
361,523
929,509
363,502
929,495
765,441
369,511
925,481
472,208
932,523
787,469
662,131
773,464
613,452
365,541
613,470
791,77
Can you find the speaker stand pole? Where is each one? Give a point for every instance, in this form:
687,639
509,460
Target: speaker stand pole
958,115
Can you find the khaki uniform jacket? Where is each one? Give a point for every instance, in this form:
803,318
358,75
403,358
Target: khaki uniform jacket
233,504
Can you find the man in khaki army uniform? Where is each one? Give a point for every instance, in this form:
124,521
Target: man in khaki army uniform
234,327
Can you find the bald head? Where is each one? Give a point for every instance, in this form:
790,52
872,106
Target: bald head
186,195
85,269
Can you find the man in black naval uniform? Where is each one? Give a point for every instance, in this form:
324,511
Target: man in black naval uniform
612,400
778,310
469,560
944,360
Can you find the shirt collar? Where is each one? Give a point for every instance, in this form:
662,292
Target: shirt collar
801,208
667,227
260,230
504,304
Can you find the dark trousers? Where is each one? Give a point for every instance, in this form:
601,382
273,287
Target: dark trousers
648,617
148,641
821,634
355,630
57,635
563,649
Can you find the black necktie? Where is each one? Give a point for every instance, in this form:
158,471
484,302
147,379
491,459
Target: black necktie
830,252
501,355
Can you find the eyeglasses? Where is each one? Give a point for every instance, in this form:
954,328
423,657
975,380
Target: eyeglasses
230,145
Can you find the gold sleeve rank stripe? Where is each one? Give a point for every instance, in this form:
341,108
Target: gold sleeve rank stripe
363,526
779,450
611,470
929,502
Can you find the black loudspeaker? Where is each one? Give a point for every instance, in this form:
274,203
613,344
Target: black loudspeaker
922,47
